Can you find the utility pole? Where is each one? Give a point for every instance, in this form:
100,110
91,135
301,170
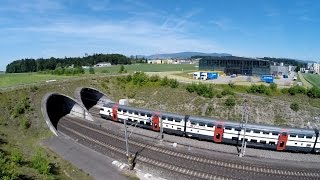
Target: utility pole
244,115
161,129
126,136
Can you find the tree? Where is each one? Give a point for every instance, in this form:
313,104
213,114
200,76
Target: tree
294,106
121,69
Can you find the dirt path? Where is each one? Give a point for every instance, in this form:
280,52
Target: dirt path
304,81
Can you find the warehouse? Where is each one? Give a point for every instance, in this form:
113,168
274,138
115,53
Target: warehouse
235,65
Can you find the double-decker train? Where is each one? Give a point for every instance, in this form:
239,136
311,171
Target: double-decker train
210,129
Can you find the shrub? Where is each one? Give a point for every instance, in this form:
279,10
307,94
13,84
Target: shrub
294,106
34,88
227,92
24,123
91,70
41,163
164,81
273,86
154,78
191,87
121,70
173,83
313,92
219,95
230,102
140,78
16,156
296,90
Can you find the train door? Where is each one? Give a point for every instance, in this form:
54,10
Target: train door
218,132
282,141
115,112
155,122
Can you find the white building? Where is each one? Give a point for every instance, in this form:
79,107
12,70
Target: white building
103,64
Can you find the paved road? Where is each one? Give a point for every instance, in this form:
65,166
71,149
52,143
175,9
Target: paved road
91,162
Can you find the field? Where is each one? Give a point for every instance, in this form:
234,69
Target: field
149,68
314,79
7,80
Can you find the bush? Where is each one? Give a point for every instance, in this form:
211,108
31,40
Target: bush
34,88
296,90
154,78
230,102
41,163
164,81
24,123
294,106
91,70
273,86
16,156
173,83
313,92
191,87
140,78
219,95
8,169
121,70
227,92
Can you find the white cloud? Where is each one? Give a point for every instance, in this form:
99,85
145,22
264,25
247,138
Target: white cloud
137,34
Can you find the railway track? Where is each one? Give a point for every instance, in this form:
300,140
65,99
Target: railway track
191,165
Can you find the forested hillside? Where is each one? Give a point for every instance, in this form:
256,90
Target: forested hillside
41,64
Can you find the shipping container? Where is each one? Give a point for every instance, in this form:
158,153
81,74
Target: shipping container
267,78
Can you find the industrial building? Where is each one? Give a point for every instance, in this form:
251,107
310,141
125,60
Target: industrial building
235,65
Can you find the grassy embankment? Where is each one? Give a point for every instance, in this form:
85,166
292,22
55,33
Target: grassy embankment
303,80
313,79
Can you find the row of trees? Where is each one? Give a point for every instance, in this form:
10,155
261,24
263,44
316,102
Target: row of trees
41,64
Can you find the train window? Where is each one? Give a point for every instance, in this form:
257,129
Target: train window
101,109
194,123
130,112
256,131
129,119
308,145
234,138
177,120
284,134
293,135
201,124
170,119
179,129
244,139
228,128
275,133
209,125
137,113
219,126
254,140
238,129
141,122
272,143
148,115
124,111
309,137
172,127
265,132
142,114
148,123
166,125
248,130
262,142
300,136
163,118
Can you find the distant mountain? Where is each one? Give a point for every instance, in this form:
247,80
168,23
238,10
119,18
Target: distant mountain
185,55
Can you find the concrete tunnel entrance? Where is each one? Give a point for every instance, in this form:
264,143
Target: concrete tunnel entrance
54,106
90,97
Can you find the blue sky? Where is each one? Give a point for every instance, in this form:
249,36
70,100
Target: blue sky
45,28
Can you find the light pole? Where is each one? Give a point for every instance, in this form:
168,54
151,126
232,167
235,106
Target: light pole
244,115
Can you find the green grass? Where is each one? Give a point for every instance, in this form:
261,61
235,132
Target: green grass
314,79
149,68
303,80
7,80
